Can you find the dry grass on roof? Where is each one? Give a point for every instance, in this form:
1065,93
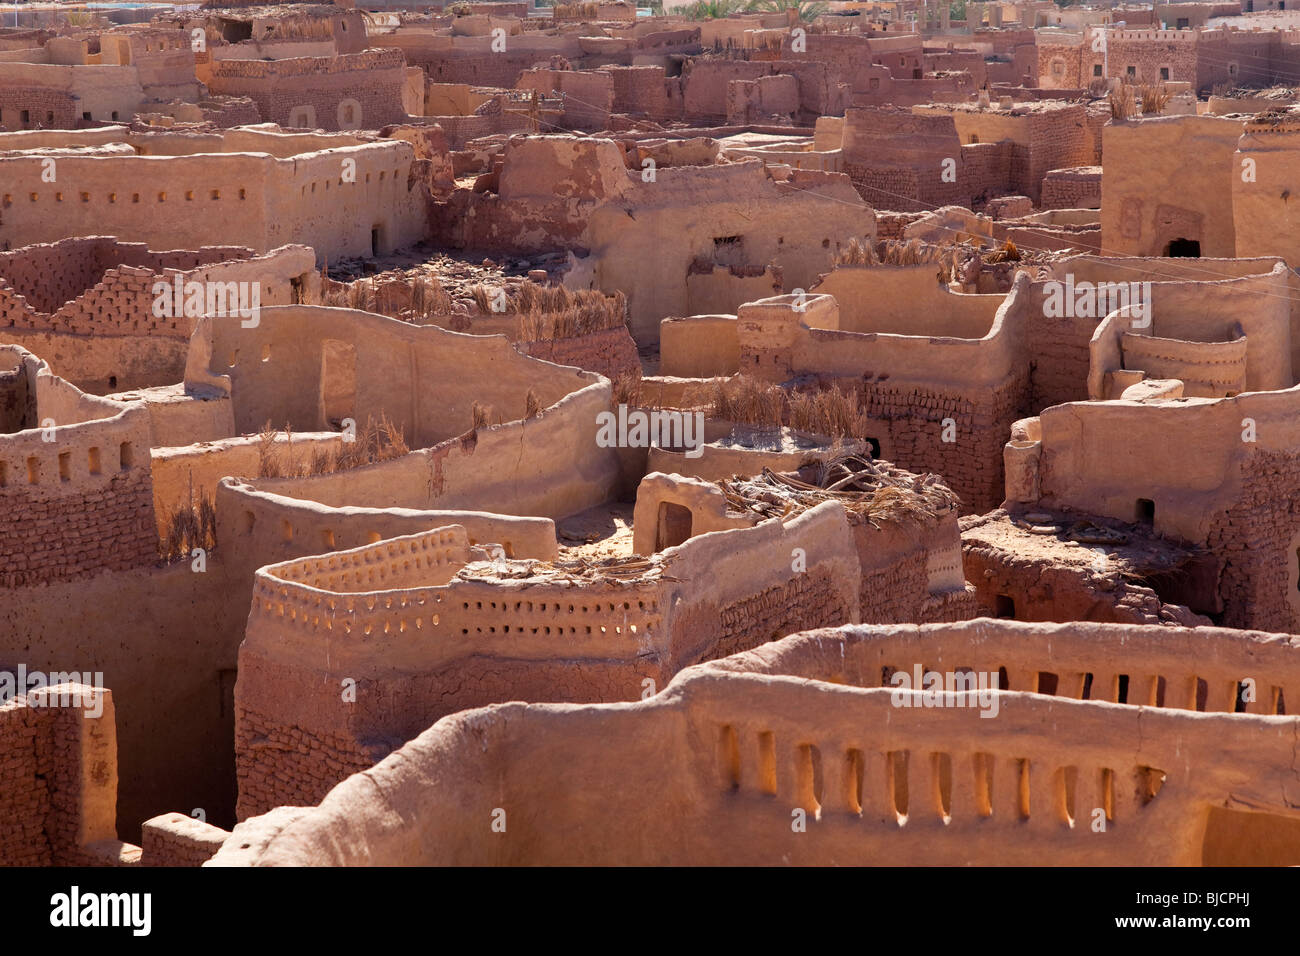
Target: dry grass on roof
576,571
189,526
873,491
378,440
420,300
894,252
832,412
552,311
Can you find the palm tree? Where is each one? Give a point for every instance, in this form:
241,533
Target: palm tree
713,9
805,10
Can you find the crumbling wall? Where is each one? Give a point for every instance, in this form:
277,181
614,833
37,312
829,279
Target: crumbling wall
610,352
1076,188
1256,536
174,839
588,95
641,90
109,334
59,762
904,161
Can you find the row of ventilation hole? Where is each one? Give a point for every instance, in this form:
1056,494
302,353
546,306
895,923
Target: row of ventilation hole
392,550
331,580
402,625
288,532
275,595
35,470
1151,690
1067,796
298,612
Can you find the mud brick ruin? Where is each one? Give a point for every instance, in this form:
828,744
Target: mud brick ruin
426,405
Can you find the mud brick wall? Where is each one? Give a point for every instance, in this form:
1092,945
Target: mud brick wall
237,111
46,108
48,535
1064,65
612,352
888,187
121,303
1077,188
972,465
461,129
804,602
174,839
704,86
986,169
42,776
17,403
890,225
50,275
1096,122
1059,139
277,765
500,70
374,79
640,90
918,148
295,735
951,606
1256,538
25,796
1046,589
588,96
137,254
894,594
1059,359
1149,50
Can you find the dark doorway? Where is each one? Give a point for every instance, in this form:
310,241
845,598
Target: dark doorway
1004,606
674,526
1146,511
1184,249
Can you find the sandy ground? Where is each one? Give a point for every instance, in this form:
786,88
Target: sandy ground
601,532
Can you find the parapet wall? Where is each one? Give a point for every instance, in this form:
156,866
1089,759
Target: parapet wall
421,644
311,365
715,766
76,494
